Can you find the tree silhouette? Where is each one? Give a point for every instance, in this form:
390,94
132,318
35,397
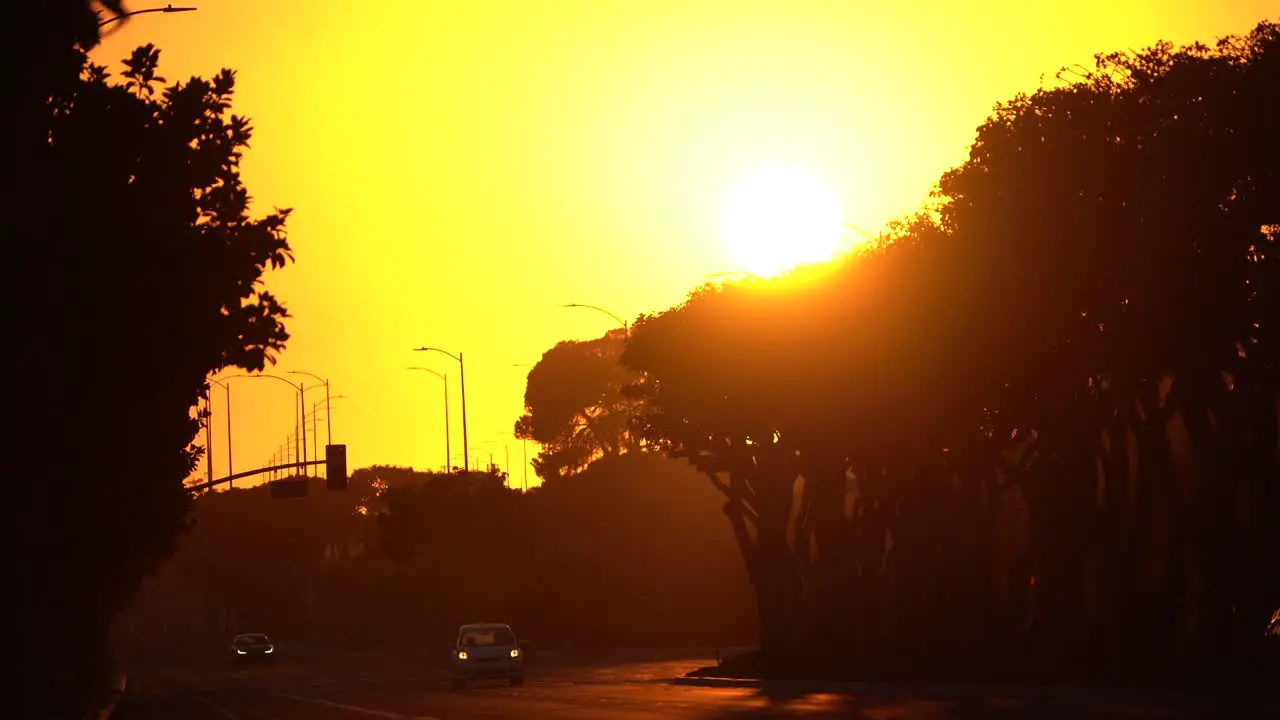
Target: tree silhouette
43,46
1136,204
135,271
574,405
1075,339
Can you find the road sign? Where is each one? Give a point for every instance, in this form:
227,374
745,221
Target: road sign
293,488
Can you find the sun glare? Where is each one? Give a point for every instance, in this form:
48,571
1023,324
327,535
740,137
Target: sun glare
779,217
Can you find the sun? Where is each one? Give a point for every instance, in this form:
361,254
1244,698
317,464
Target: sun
779,217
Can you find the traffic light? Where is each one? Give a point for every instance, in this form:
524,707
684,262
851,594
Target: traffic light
335,467
292,488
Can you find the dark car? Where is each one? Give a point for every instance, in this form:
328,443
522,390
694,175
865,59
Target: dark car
249,647
487,650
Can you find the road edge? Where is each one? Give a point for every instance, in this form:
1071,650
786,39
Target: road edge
1031,692
118,685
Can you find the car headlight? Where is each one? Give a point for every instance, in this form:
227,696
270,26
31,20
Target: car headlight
462,655
271,649
515,652
239,651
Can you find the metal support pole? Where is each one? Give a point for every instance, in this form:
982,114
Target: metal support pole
313,427
208,438
302,400
462,372
448,451
230,469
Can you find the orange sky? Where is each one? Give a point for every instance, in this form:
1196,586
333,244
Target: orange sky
459,170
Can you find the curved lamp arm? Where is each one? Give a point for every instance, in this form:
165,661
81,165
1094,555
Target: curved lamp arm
167,9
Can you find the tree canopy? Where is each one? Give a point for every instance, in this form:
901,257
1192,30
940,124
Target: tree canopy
1075,340
574,406
136,271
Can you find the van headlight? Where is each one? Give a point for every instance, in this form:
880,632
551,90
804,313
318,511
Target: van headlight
515,652
462,655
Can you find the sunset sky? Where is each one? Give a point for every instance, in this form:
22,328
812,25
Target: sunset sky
460,170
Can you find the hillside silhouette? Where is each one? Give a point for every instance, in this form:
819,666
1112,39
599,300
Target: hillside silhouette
629,553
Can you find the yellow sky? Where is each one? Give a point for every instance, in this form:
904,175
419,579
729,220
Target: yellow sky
458,170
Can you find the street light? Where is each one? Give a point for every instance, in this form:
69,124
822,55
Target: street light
328,426
866,234
462,379
315,411
448,454
506,448
298,408
227,386
621,322
166,9
524,441
525,449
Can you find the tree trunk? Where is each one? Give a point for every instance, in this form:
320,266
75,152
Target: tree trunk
769,564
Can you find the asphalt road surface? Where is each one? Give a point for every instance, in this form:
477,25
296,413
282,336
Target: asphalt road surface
624,688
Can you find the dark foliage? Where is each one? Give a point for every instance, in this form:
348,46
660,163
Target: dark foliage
574,407
131,271
1065,372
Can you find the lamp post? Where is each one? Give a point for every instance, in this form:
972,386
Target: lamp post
865,234
507,469
621,322
524,441
227,386
328,425
315,412
166,9
462,380
297,407
448,453
208,439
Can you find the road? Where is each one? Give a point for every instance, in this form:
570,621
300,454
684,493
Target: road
624,689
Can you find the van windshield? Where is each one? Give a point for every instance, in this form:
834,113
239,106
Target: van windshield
483,638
